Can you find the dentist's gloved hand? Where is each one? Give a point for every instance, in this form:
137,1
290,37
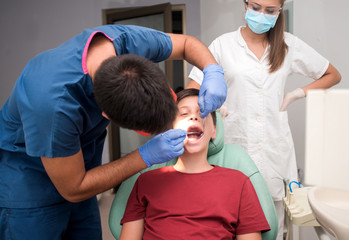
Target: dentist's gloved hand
213,90
163,147
291,97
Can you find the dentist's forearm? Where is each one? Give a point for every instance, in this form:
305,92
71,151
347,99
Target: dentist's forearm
192,50
75,184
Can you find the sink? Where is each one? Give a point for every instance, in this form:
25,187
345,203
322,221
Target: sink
331,209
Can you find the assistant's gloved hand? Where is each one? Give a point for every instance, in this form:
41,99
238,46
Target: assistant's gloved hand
213,90
163,147
291,97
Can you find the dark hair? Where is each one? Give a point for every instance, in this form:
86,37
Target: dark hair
134,94
189,92
278,46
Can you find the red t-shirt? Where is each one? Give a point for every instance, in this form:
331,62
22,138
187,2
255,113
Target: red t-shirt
218,204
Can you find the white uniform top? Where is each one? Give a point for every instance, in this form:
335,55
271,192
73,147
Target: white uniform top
254,100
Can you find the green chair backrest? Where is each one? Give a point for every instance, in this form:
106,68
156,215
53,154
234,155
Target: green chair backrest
224,155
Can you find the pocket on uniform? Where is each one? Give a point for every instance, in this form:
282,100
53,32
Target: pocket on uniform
285,138
275,184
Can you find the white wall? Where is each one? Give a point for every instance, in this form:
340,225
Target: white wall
321,24
325,31
220,16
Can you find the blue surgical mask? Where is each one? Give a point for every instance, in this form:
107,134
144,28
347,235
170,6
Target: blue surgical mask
260,22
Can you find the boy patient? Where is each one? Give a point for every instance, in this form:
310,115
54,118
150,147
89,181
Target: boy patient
193,199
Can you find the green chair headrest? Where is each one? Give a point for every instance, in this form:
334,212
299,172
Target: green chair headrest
217,144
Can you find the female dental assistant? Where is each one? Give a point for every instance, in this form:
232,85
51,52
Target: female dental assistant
52,130
257,59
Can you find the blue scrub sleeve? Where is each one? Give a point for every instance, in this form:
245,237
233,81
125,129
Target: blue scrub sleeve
149,43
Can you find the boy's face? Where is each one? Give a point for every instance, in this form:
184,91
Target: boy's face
189,119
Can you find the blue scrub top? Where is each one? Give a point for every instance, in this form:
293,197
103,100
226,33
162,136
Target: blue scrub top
52,113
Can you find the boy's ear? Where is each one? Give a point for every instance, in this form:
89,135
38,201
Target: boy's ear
105,115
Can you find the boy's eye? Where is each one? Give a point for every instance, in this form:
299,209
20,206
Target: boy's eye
184,114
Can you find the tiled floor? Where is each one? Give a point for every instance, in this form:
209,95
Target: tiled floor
105,201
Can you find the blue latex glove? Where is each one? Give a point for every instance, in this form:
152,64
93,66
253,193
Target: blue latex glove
213,90
163,147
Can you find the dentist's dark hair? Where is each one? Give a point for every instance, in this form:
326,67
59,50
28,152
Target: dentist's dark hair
133,92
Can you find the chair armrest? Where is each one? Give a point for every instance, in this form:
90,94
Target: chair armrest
267,204
119,205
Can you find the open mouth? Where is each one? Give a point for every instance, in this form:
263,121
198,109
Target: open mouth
194,132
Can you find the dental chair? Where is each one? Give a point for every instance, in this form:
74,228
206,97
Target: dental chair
224,155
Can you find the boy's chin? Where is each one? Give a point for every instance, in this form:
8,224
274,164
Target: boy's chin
194,149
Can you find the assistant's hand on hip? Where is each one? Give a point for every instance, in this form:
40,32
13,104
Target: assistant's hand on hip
291,97
163,147
213,90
